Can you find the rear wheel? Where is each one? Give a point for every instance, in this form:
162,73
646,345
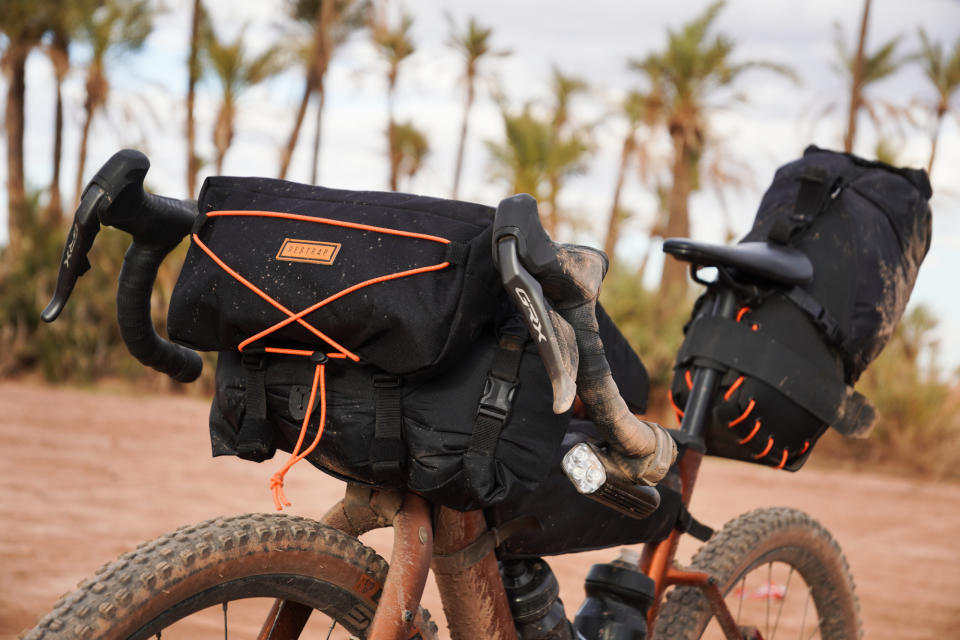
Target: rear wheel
227,578
782,576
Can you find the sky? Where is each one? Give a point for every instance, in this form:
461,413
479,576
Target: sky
768,123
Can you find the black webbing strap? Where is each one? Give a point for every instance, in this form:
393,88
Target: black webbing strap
822,318
387,452
255,438
688,524
456,252
497,398
822,393
811,200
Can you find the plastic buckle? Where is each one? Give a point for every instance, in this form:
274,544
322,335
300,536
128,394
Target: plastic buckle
497,398
254,361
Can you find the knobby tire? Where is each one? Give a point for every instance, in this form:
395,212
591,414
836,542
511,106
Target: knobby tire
230,558
752,542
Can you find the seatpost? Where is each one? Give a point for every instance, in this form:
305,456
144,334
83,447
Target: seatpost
705,379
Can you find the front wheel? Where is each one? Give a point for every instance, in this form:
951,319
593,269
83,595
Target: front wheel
782,576
231,577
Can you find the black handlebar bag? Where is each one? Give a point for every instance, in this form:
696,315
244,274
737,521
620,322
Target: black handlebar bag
398,281
386,309
791,355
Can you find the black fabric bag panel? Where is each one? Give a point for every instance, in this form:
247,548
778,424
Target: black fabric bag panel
790,360
401,325
570,522
439,414
773,419
866,244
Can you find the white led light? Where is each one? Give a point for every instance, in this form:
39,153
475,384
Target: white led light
584,469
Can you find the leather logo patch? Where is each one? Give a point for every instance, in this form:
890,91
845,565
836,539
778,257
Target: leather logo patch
308,251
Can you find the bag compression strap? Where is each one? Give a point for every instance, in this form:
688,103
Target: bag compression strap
497,398
815,192
387,452
823,394
255,439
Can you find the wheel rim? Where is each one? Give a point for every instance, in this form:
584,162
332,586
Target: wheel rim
239,609
772,601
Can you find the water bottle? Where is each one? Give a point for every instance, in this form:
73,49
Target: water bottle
533,593
618,598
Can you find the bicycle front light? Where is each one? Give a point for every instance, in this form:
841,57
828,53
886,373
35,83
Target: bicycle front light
597,477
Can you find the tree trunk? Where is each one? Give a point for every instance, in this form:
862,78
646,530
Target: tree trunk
60,56
615,222
941,111
551,217
16,53
392,151
673,279
461,147
321,101
309,86
287,152
193,73
856,89
82,156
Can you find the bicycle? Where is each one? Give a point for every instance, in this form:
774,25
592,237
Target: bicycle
205,575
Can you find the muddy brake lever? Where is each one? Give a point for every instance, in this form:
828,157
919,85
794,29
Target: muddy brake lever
523,250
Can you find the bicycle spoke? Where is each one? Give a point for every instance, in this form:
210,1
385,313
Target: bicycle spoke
783,601
225,622
768,594
743,591
331,629
803,620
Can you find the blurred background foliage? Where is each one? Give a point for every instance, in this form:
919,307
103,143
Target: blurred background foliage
541,147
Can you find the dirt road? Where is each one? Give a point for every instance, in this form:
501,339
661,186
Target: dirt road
86,475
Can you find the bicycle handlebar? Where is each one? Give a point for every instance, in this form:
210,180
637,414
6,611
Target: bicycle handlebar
115,197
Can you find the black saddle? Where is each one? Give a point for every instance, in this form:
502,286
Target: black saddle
762,260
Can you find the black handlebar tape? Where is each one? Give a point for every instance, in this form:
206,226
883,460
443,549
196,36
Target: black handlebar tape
137,276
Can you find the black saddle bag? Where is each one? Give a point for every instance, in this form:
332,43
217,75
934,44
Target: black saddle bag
791,356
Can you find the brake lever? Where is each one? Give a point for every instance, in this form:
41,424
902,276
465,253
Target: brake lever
522,246
74,262
527,295
114,197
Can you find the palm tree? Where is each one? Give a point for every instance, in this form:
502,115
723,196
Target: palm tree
535,158
639,109
23,22
331,23
411,147
944,74
568,144
692,70
472,44
65,20
59,53
198,24
861,70
396,46
520,160
236,71
117,26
